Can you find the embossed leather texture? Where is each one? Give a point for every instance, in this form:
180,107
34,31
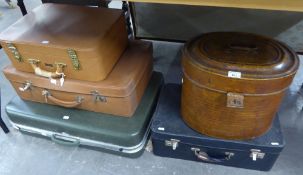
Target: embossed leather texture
119,94
86,41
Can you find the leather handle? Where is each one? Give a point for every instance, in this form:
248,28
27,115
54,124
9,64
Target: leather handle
206,158
40,72
66,104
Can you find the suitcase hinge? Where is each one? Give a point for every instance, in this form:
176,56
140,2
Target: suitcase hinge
98,97
15,52
73,56
256,154
172,143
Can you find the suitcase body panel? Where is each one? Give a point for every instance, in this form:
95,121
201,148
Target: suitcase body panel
168,128
241,75
98,44
124,86
240,125
96,130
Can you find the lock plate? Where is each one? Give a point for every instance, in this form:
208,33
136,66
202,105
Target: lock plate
33,61
235,100
26,86
172,143
256,154
15,52
98,97
73,56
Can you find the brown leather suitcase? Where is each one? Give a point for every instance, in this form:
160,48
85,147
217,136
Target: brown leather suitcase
234,83
77,42
119,94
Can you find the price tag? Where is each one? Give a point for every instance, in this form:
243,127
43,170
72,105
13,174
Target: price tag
62,80
233,74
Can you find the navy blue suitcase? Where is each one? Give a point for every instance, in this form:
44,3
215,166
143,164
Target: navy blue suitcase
171,137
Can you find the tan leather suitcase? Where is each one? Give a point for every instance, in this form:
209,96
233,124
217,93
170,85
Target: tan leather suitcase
77,42
119,94
234,83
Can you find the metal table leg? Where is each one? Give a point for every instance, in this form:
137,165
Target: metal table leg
21,5
125,8
2,124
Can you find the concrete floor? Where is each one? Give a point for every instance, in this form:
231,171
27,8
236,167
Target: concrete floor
22,154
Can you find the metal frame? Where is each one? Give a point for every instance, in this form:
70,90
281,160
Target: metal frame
86,142
21,5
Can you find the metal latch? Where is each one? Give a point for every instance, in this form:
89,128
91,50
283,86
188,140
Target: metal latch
173,143
33,61
235,100
256,154
98,97
26,86
15,52
73,56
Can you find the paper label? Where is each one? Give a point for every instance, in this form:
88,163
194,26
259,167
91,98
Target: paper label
274,143
66,117
233,74
45,42
61,81
161,129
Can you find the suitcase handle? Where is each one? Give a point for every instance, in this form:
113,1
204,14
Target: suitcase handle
206,158
66,104
64,140
43,73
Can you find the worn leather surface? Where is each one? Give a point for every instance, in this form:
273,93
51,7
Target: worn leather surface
268,72
122,89
98,35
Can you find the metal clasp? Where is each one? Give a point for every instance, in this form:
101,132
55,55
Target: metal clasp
61,65
235,100
98,97
26,86
173,143
73,56
79,99
15,52
33,61
256,154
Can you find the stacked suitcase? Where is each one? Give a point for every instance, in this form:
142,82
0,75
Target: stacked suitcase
172,138
224,111
79,80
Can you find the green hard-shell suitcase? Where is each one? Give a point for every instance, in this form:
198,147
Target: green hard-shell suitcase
74,127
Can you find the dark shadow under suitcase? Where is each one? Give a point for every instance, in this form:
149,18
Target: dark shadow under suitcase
172,138
113,134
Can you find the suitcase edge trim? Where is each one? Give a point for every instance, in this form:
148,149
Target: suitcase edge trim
86,142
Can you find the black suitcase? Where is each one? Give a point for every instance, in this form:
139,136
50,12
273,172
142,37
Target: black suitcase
171,137
74,127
